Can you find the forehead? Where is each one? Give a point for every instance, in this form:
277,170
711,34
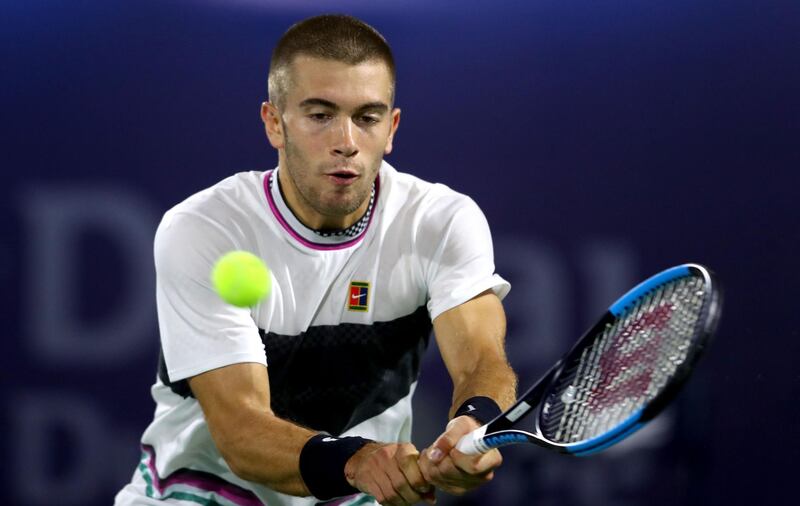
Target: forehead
338,82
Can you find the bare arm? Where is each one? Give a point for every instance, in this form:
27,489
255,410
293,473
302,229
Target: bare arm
471,339
260,447
257,445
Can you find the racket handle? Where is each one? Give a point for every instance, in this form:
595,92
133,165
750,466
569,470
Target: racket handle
471,443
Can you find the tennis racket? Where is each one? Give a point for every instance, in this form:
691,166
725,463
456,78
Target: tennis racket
620,374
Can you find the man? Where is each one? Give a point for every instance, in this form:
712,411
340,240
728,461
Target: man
309,392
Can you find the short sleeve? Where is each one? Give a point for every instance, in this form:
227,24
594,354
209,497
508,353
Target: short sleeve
461,265
199,331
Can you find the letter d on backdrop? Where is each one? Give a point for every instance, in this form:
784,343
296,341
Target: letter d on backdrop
54,219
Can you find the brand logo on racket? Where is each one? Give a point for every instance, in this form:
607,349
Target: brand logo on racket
626,370
358,298
504,439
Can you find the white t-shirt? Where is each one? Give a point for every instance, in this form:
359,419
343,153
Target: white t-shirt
342,331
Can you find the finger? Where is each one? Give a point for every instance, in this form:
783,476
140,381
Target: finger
389,495
431,471
437,451
408,461
402,488
456,429
477,464
457,481
378,470
441,447
407,494
401,492
447,475
426,466
448,478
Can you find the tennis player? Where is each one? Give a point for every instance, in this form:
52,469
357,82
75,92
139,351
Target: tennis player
306,398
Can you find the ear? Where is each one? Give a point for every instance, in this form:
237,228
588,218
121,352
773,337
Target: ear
392,130
271,117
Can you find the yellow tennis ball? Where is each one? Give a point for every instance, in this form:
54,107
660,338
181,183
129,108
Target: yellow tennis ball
241,278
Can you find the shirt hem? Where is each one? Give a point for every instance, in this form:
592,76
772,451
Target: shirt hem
236,358
498,285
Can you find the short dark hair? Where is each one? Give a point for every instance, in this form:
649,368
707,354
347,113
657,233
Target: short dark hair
335,37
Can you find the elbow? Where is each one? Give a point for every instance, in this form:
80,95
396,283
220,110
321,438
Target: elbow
244,468
234,442
248,463
236,460
246,472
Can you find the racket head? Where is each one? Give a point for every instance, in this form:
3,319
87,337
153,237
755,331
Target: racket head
631,364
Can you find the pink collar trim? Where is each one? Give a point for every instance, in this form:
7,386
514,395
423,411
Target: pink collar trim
302,240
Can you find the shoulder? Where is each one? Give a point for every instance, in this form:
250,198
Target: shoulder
435,202
220,217
243,188
235,197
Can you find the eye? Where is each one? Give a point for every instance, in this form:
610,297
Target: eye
368,120
320,116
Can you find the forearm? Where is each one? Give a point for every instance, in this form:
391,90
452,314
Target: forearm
256,445
491,378
471,339
265,449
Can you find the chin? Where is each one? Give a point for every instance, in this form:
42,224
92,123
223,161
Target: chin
337,208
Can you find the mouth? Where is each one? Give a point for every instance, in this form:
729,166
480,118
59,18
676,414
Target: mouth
342,177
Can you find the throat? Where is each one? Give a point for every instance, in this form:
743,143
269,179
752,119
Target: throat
353,230
277,188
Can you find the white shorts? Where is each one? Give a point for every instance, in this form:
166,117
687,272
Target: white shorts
135,494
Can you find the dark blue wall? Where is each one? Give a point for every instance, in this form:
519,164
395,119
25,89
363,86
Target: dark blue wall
605,140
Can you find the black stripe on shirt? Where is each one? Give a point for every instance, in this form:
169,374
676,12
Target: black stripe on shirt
333,377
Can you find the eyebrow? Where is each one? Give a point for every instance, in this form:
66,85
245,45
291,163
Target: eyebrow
379,106
319,101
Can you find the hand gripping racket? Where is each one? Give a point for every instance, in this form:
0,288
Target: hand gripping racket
620,374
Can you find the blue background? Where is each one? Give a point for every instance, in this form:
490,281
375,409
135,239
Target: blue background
604,140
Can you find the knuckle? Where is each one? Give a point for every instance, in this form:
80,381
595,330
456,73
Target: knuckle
407,447
384,454
418,482
450,438
403,452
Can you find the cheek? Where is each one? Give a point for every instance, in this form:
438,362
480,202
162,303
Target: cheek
374,140
312,128
303,132
305,144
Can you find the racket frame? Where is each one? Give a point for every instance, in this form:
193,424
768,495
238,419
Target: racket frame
501,432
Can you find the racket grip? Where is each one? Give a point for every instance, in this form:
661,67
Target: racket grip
471,444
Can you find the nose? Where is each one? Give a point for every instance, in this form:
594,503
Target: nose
345,142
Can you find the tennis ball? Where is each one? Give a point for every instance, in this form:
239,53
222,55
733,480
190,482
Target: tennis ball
241,278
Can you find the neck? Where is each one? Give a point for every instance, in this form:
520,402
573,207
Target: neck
307,215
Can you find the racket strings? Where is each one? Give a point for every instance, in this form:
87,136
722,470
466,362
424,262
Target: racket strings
628,364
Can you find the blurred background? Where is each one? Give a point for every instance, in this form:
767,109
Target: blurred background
604,140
